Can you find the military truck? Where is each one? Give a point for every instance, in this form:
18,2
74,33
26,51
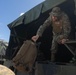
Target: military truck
25,26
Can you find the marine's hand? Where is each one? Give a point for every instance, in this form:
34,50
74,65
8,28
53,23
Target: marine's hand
63,41
35,38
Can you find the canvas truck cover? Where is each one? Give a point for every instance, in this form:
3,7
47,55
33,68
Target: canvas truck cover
25,26
35,12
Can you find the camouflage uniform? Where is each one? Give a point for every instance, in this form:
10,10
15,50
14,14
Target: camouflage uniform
61,28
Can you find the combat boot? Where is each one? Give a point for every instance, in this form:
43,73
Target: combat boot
52,57
73,61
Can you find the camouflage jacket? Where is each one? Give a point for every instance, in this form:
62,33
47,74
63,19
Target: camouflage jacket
65,29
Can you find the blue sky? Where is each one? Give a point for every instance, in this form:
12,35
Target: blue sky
11,10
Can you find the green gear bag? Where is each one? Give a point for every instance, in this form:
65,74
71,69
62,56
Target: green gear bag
25,58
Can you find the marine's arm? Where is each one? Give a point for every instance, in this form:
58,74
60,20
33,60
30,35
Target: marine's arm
43,27
66,29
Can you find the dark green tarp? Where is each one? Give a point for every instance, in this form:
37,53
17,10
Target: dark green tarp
25,27
34,13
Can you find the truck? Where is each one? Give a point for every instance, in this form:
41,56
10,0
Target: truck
25,26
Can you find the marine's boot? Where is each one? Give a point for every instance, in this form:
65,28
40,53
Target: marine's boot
73,61
52,57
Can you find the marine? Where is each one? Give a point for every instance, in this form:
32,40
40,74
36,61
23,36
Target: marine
61,28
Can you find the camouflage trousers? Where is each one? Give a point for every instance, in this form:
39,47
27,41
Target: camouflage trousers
54,46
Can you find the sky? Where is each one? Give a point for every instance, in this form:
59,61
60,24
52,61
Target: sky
10,10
